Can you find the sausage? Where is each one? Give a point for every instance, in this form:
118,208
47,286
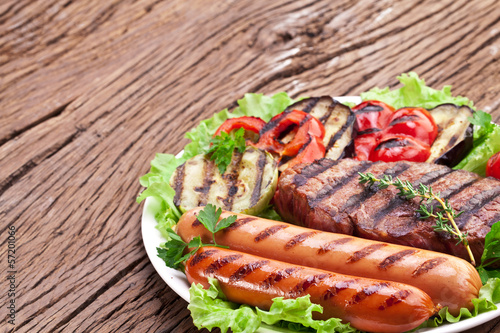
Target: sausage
449,281
367,304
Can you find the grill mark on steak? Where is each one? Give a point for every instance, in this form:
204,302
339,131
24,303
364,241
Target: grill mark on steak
337,288
428,265
221,262
200,256
312,170
303,285
238,223
329,190
396,201
493,220
475,204
354,201
268,232
367,291
391,260
367,250
246,269
395,298
331,245
277,276
299,238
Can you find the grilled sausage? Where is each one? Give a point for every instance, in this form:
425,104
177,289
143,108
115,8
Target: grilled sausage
449,281
368,304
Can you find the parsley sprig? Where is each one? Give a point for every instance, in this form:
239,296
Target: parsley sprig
172,251
222,147
444,214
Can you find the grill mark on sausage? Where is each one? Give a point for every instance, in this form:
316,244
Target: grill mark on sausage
475,204
354,201
277,276
367,291
200,256
299,238
301,287
238,223
350,119
221,262
337,288
208,180
395,298
330,189
331,245
179,184
246,269
313,170
428,265
261,163
391,260
196,223
396,201
268,232
231,180
367,250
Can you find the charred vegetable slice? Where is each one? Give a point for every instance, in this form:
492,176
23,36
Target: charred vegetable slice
454,138
246,186
338,120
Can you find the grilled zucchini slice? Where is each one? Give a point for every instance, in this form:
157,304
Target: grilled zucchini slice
247,186
339,122
455,134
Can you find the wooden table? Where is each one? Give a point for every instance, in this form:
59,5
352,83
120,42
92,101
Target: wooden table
91,90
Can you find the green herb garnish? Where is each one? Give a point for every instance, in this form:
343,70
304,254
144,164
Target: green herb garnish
172,251
223,146
443,213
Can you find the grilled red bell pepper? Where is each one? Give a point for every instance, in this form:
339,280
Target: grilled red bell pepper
253,124
388,135
306,144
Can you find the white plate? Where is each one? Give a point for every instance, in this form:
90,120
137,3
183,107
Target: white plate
178,282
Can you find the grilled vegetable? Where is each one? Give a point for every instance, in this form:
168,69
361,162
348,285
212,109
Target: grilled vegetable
493,166
454,139
247,185
367,304
338,120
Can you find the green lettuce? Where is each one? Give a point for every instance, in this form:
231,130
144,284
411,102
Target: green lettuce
414,92
163,166
486,143
210,308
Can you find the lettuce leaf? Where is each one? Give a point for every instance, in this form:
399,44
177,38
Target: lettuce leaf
486,143
164,165
209,308
414,92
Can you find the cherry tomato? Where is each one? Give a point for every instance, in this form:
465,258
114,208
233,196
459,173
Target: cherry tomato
364,144
396,148
412,122
372,115
252,124
493,166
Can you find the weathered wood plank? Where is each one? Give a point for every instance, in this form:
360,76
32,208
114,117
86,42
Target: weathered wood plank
91,90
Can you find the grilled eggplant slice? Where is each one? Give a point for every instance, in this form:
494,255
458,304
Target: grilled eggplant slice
454,138
247,186
339,122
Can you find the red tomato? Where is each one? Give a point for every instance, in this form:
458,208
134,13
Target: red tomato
396,148
493,166
372,115
253,124
413,122
364,144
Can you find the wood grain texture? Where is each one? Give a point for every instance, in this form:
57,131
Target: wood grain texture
91,90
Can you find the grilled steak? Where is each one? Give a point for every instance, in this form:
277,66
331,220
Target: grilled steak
327,195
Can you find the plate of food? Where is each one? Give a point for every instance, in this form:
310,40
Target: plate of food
384,218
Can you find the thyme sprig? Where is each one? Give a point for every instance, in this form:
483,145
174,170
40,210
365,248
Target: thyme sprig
444,214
